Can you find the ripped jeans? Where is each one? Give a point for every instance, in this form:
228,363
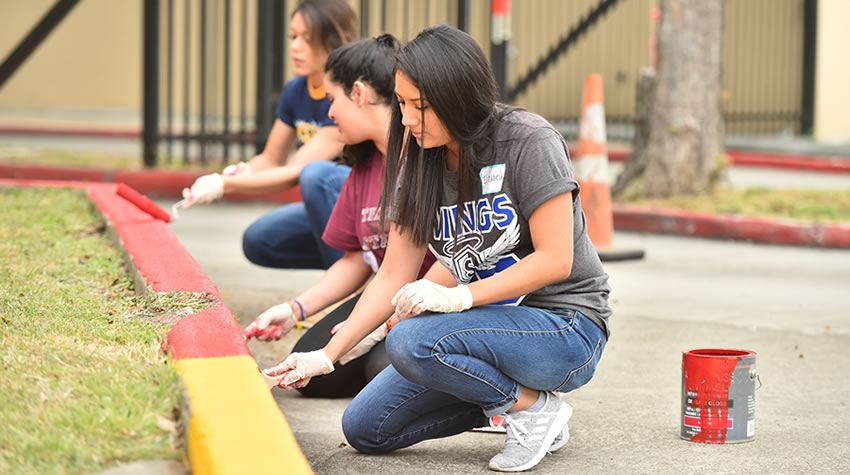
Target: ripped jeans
450,372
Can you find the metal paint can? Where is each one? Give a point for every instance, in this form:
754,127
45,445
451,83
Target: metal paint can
718,395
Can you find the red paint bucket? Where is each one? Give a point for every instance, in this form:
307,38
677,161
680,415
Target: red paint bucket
718,395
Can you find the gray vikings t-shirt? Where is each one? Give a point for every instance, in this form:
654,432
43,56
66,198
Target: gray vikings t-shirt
529,165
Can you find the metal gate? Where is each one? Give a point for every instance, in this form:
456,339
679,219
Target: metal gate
215,68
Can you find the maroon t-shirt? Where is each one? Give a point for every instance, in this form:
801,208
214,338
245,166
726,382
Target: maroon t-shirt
355,221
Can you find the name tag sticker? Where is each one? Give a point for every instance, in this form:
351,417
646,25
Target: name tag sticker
492,178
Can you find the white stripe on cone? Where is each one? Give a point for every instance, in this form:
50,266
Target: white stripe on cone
592,126
593,168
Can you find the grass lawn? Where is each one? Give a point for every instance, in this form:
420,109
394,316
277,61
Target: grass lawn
85,384
78,158
820,206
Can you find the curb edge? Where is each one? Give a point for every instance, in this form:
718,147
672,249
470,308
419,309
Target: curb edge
203,346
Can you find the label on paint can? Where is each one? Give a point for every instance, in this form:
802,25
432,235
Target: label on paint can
718,396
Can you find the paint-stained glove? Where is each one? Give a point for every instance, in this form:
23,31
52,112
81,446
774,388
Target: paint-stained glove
298,368
272,324
365,344
237,169
425,296
206,189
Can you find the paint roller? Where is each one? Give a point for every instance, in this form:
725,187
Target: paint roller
146,204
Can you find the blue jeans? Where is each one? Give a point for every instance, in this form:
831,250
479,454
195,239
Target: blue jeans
290,237
450,372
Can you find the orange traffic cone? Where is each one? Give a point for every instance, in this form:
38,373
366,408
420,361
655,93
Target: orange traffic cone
591,169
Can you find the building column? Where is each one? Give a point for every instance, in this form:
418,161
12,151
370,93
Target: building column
832,72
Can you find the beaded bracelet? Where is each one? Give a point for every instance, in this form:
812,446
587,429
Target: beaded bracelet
300,309
391,322
292,304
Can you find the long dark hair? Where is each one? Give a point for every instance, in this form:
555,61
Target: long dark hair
370,61
455,78
332,23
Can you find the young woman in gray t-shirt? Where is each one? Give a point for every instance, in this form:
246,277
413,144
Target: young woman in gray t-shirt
520,312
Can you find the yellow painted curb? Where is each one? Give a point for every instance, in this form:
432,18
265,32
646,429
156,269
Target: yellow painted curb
235,426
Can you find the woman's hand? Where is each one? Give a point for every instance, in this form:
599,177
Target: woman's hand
425,296
272,324
298,368
206,189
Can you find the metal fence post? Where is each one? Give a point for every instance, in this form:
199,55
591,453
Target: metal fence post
810,38
364,18
500,33
150,135
270,60
463,15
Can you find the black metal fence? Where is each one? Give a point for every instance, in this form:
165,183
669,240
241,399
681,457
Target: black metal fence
769,50
206,66
214,69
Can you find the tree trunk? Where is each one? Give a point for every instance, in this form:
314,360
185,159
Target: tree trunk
685,144
636,163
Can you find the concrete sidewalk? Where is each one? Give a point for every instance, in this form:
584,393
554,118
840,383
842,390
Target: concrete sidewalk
788,304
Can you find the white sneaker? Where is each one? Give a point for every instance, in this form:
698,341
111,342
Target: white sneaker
531,435
564,437
497,424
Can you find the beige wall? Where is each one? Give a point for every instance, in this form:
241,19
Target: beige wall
92,60
832,72
91,66
607,49
406,18
754,80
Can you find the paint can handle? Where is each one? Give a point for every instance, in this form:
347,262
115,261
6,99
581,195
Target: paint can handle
755,376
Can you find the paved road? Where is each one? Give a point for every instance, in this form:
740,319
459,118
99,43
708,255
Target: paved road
790,305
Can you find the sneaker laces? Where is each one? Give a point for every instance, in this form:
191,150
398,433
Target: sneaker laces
516,431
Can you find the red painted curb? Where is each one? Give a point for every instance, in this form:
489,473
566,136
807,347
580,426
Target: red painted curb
71,131
793,162
209,334
688,223
815,163
168,267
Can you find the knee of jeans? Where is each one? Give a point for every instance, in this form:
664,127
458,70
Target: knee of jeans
252,246
312,177
407,352
354,428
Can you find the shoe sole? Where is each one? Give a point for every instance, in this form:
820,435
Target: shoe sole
565,434
560,420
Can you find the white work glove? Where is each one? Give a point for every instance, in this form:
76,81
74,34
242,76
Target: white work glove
237,169
272,324
206,189
425,296
365,344
298,368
